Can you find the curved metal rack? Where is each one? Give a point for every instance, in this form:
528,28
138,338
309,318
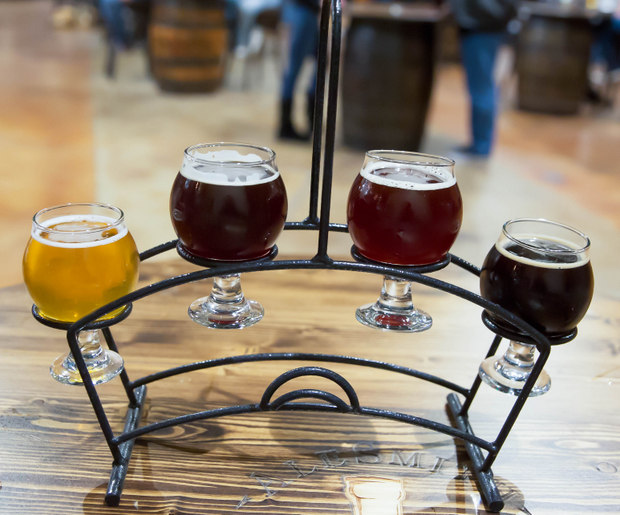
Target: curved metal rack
121,445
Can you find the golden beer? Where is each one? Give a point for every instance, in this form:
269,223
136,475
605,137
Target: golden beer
75,263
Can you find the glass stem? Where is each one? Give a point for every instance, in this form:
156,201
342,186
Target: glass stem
396,294
90,344
520,355
227,290
517,362
91,349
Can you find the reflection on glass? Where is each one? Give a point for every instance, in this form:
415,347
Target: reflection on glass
371,495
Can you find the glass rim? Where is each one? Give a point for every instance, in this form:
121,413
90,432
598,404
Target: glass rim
506,225
425,159
267,150
120,218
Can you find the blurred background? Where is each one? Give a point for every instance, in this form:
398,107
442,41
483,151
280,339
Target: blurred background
86,116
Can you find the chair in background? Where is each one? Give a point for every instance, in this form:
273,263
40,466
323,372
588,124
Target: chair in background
256,37
264,42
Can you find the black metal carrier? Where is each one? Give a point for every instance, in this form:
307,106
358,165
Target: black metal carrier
482,453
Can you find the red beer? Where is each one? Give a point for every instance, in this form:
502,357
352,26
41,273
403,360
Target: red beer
404,214
228,207
544,288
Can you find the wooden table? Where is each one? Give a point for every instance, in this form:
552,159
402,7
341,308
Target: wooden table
562,456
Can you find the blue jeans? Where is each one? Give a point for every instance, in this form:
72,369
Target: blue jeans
604,46
478,53
303,27
113,16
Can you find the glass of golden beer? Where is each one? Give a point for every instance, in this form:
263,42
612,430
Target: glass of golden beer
80,257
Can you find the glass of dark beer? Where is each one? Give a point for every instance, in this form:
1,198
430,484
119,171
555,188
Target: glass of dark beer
228,204
540,271
404,208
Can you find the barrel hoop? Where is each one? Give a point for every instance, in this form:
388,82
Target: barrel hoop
167,43
216,24
163,32
190,74
188,17
187,61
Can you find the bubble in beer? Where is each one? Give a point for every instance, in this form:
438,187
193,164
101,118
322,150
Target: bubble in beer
78,231
217,167
408,177
543,252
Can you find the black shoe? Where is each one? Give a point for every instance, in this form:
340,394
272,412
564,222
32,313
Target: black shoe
466,153
288,132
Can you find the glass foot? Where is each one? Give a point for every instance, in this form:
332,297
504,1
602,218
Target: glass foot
394,310
376,315
509,373
205,312
101,369
226,307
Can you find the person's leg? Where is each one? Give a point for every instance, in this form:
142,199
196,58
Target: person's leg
301,42
114,21
479,51
614,62
310,100
312,32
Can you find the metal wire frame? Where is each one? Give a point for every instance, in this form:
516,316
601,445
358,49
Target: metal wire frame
121,445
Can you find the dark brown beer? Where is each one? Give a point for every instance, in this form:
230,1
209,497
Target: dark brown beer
403,215
551,293
230,216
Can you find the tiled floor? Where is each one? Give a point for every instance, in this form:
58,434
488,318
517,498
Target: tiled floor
67,133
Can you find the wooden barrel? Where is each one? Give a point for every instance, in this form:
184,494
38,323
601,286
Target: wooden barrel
387,77
188,41
552,57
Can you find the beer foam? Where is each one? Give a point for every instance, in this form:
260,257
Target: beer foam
218,167
74,236
408,176
554,247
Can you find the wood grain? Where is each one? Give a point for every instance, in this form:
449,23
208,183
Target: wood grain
561,457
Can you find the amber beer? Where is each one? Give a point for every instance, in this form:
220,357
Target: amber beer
76,263
403,215
543,280
226,205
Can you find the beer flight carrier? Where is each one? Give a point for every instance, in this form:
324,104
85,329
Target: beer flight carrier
482,453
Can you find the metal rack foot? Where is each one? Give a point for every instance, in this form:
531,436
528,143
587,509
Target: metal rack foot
486,482
119,470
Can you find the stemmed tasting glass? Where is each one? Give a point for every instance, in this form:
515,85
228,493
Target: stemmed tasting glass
80,257
405,209
228,204
540,271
